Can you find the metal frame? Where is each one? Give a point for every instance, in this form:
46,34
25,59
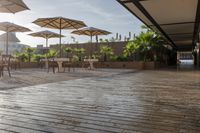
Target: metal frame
197,25
158,26
144,11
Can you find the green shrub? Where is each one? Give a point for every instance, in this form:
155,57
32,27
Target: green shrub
106,52
22,57
68,51
52,53
38,57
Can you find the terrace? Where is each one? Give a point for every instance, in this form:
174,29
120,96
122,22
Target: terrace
114,101
134,85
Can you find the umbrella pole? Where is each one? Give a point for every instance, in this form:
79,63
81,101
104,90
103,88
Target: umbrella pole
97,41
91,38
60,39
6,43
46,47
60,44
91,49
46,62
46,42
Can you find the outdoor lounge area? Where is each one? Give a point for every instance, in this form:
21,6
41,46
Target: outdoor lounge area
138,73
110,100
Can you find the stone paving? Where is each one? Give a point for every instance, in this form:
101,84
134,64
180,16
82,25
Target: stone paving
122,102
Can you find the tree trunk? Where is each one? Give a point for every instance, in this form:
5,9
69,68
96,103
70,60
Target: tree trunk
105,57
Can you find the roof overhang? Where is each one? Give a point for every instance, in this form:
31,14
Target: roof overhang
177,20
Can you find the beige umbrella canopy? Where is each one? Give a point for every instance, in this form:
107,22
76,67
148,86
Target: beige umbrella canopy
59,23
10,27
91,31
12,6
46,34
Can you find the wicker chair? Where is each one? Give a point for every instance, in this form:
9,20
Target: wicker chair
52,64
15,64
74,62
5,63
85,65
68,65
1,69
41,64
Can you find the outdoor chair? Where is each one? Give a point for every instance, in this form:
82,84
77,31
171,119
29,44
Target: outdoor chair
5,63
15,64
85,65
41,64
73,63
1,68
52,64
68,65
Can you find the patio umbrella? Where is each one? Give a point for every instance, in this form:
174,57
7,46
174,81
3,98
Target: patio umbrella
90,31
59,23
10,27
46,34
12,6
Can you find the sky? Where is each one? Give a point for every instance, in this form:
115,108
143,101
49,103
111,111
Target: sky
104,14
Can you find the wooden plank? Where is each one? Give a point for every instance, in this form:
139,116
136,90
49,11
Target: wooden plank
149,101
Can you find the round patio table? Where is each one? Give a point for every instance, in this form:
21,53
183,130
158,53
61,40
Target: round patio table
60,62
91,62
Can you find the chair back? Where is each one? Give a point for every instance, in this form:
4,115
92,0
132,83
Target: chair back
52,62
5,60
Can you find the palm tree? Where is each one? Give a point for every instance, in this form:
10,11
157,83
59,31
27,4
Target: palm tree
52,53
131,48
68,50
29,52
106,51
38,57
146,43
79,52
144,27
21,56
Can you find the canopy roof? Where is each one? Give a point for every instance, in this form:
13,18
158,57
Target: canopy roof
46,34
90,31
12,6
177,20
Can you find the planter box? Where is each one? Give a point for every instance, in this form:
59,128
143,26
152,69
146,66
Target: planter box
130,65
140,65
28,65
120,65
150,65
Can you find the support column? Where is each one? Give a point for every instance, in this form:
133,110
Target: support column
198,54
178,56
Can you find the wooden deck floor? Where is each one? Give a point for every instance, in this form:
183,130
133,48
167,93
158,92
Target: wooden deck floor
137,102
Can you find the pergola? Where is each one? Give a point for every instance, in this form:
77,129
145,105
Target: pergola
177,20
